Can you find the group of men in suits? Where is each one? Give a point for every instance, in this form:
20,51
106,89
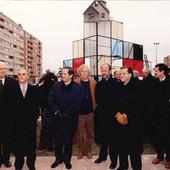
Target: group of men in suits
19,109
117,119
127,111
118,113
20,102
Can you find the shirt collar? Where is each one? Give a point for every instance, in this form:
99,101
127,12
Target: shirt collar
3,80
23,84
67,83
163,79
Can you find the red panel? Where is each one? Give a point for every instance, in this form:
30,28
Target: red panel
134,64
128,62
76,63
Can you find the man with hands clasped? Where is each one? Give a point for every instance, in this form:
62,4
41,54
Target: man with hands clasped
121,118
128,120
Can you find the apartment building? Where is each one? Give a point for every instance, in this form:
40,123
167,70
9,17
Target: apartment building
33,55
19,49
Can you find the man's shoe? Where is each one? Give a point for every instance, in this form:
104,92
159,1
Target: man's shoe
157,160
167,164
8,164
33,168
56,163
80,155
99,160
89,155
68,165
112,166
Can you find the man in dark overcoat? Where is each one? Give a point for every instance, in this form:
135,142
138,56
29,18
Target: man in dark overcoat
25,122
65,100
129,122
46,137
103,117
150,95
7,103
161,137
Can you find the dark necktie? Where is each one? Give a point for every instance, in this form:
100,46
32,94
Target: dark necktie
1,87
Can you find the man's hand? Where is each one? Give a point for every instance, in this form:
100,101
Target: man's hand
121,118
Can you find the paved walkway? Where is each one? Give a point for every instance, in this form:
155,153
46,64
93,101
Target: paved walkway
44,163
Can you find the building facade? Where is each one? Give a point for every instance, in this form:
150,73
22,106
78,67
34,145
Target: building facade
19,49
33,55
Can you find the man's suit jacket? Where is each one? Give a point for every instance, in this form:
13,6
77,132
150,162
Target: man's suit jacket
25,118
67,100
7,105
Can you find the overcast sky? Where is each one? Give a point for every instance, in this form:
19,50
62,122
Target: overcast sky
58,23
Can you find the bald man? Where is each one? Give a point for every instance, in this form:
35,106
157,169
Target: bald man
7,100
103,118
25,122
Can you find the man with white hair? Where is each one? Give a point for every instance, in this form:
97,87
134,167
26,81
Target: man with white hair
146,72
7,100
85,123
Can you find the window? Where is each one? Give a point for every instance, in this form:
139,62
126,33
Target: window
1,19
90,15
103,15
2,27
11,57
11,32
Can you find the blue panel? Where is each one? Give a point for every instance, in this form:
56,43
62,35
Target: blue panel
68,63
117,48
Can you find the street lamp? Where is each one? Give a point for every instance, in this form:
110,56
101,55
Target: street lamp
156,45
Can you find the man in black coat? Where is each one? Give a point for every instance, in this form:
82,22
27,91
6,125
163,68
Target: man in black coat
161,137
25,122
150,95
7,103
106,97
129,123
46,137
65,100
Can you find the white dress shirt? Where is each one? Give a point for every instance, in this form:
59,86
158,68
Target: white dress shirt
23,88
